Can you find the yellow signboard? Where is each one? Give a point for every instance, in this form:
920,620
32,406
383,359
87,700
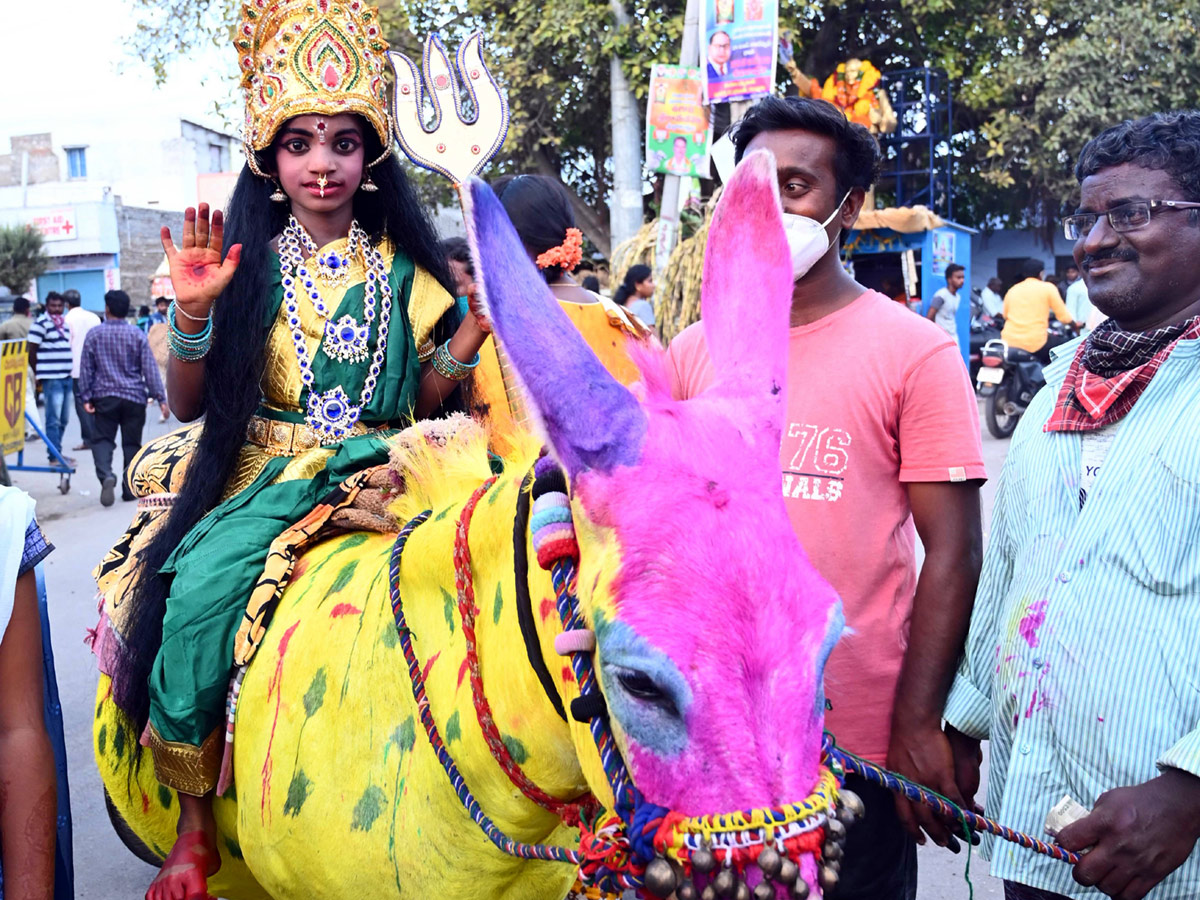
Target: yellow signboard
13,362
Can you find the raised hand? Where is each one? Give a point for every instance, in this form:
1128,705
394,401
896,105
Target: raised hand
198,272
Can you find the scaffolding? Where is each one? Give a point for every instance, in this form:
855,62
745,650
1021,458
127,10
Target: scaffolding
917,157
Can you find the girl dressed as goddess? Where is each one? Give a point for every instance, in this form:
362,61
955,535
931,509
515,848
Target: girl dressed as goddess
323,329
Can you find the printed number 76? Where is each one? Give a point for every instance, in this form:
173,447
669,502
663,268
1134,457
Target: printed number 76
825,447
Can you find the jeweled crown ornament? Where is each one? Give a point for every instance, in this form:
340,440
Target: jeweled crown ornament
303,57
455,146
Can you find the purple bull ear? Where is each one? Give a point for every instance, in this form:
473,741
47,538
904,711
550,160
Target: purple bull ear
591,420
746,293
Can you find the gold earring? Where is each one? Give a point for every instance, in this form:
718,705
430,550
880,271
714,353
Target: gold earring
368,184
278,196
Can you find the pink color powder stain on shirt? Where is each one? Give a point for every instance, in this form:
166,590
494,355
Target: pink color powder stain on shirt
1032,621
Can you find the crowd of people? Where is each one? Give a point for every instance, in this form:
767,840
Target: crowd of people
1070,643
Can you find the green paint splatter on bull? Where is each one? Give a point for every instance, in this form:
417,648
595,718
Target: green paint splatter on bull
344,577
448,604
367,809
298,792
515,749
119,741
314,697
102,739
499,604
234,850
453,728
164,796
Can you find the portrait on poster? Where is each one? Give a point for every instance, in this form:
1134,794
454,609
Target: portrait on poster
740,37
677,125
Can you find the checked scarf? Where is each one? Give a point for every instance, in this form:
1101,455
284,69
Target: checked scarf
1109,372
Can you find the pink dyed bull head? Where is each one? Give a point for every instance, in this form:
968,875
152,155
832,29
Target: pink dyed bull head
712,626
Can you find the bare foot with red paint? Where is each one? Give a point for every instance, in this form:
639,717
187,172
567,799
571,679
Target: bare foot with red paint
193,858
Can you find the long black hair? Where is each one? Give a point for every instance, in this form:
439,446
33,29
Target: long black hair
635,276
233,369
540,210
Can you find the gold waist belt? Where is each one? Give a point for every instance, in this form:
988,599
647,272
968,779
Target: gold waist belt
291,438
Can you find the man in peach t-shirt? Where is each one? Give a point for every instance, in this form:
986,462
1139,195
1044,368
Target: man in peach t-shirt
882,434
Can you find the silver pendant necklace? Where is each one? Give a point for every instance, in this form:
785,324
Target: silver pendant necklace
331,414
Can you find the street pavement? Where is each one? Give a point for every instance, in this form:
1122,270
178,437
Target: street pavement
82,531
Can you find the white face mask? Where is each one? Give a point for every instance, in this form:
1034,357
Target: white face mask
807,240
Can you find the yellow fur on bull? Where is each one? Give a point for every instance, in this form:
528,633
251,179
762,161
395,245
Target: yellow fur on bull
337,792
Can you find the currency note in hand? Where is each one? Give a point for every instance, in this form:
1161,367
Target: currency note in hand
1064,812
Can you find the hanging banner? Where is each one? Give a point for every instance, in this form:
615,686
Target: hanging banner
677,126
13,361
740,38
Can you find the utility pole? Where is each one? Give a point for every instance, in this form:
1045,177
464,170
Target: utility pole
668,215
625,207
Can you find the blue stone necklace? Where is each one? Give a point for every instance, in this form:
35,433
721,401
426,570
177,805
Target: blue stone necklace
331,414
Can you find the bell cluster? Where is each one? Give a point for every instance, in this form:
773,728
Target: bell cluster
664,877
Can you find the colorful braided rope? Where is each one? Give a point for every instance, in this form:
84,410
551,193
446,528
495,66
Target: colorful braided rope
570,812
898,784
502,841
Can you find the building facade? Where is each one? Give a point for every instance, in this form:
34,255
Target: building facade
100,200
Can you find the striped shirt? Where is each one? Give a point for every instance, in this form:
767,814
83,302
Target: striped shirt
54,348
1082,665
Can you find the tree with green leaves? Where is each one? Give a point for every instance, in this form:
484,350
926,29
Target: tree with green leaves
1032,81
22,258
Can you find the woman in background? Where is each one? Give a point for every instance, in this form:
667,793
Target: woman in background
635,292
540,210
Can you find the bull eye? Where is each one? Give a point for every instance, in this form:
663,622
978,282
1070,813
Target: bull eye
642,687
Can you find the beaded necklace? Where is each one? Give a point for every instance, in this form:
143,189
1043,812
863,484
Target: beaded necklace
330,414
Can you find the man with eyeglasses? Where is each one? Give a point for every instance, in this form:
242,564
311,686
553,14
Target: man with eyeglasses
1082,664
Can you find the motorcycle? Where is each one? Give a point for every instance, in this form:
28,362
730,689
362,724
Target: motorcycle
1008,379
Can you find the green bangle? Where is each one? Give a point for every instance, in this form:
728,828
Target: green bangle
447,366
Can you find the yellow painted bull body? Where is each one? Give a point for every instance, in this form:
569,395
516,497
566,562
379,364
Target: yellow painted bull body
337,791
710,626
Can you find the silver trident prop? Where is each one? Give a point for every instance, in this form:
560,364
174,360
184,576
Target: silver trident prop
454,147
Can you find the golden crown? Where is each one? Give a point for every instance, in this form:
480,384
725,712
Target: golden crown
300,57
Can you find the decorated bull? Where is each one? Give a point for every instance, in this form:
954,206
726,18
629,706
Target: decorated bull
604,664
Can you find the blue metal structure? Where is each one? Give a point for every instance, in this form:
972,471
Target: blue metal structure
917,159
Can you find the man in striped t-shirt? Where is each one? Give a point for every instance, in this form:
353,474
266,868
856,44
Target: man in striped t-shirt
50,358
1082,665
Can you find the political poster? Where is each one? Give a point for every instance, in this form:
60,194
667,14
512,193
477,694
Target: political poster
943,251
677,125
739,40
13,361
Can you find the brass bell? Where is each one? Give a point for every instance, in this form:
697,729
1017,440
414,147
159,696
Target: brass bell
742,892
828,879
764,890
709,893
852,804
660,877
788,872
770,861
800,889
703,859
835,830
831,851
725,882
686,891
